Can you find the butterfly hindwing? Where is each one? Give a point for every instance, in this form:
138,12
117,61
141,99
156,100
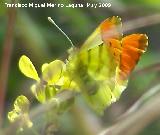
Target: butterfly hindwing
132,48
126,51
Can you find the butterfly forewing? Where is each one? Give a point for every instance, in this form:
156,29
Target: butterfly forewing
111,34
93,40
111,28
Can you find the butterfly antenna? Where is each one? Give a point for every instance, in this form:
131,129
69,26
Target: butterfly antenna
50,19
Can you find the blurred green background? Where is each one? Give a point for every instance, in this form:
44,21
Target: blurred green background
37,38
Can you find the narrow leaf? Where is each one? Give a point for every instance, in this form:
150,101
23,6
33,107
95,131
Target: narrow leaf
27,68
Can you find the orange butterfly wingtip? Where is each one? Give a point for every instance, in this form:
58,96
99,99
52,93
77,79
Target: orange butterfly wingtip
111,28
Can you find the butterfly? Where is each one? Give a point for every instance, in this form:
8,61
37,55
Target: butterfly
102,65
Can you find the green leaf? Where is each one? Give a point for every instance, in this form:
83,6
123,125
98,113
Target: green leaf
12,115
44,66
43,92
39,92
52,72
21,104
27,68
20,112
50,92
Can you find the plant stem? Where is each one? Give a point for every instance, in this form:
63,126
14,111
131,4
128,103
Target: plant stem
6,56
87,123
155,67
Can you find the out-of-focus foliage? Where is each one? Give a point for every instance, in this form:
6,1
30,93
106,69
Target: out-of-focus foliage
148,3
